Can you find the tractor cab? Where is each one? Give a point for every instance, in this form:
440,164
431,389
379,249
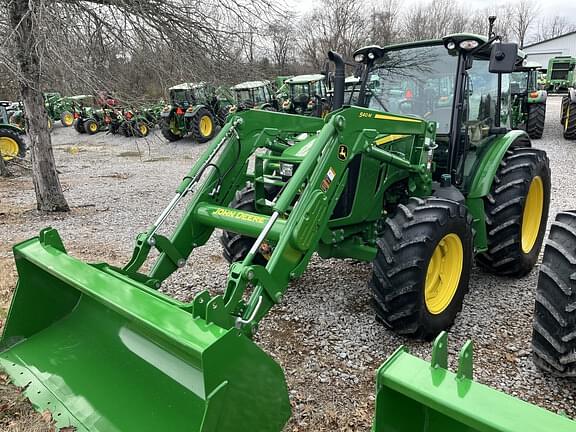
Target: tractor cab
448,81
187,94
306,95
528,101
254,94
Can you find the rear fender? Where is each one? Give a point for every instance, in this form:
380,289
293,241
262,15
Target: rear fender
13,128
483,177
572,94
541,97
190,114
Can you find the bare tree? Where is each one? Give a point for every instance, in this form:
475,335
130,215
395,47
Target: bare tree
281,34
434,20
97,39
384,22
525,13
550,27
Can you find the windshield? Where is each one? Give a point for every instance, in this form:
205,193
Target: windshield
181,97
415,81
519,82
254,95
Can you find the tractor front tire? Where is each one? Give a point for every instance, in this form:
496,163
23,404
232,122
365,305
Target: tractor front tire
67,118
570,122
11,145
236,246
516,212
422,268
554,325
79,126
141,129
90,126
563,108
203,126
536,119
167,132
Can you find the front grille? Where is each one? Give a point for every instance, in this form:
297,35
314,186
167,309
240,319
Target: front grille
559,74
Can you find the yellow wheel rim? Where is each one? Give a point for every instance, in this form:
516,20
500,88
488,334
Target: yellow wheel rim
68,119
443,275
205,125
93,127
567,118
8,148
532,216
143,129
49,124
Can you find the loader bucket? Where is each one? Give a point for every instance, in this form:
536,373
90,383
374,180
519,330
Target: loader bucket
102,352
414,395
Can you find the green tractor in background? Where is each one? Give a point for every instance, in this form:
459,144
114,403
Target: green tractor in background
561,73
194,109
568,113
58,108
12,143
253,95
306,95
528,101
420,195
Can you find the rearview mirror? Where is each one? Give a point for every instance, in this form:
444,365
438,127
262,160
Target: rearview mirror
503,57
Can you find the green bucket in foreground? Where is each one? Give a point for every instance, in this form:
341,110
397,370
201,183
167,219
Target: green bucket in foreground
414,395
105,353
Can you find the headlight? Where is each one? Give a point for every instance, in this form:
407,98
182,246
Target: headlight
371,56
167,108
359,58
190,109
468,44
450,45
286,169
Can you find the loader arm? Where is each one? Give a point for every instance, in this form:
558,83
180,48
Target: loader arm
300,214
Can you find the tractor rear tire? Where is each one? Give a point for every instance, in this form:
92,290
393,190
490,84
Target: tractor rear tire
563,108
236,246
570,122
536,119
516,212
66,118
11,145
422,269
554,326
203,126
167,132
90,126
79,126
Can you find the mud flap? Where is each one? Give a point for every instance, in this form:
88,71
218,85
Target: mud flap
414,395
103,352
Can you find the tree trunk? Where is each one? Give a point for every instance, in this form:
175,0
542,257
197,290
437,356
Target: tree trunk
49,195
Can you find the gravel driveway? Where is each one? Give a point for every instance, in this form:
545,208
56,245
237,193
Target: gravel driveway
324,334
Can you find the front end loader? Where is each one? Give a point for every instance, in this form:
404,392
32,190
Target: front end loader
420,194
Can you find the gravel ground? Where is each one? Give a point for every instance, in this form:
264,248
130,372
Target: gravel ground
324,335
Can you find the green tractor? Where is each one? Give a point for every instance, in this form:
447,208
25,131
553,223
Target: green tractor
59,108
193,110
528,101
561,73
12,144
568,114
306,95
420,195
253,95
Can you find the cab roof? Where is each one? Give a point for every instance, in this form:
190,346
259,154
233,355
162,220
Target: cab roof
305,79
247,85
187,86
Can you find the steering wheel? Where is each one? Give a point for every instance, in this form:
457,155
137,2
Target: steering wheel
406,106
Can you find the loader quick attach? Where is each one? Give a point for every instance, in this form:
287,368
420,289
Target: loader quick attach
104,350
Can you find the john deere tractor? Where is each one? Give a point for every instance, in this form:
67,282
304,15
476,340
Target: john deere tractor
254,95
528,101
193,110
561,73
306,95
12,144
420,194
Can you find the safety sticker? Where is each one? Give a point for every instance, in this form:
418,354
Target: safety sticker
325,185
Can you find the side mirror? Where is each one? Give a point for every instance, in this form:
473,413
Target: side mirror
503,57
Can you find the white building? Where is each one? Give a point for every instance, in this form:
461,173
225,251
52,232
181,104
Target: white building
541,52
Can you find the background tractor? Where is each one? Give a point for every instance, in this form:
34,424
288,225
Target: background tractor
306,95
58,108
568,113
12,144
254,95
528,101
420,195
561,73
193,110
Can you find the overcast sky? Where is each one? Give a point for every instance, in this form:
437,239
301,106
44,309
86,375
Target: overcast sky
565,8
